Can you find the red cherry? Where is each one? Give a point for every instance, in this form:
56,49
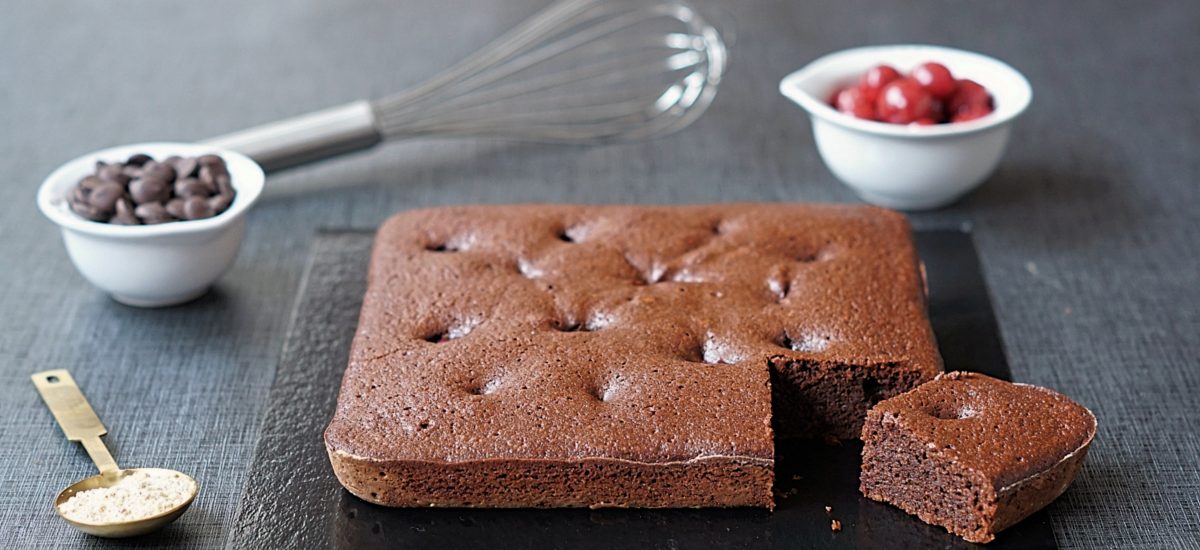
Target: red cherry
903,101
969,94
853,101
924,122
876,78
936,79
971,112
937,111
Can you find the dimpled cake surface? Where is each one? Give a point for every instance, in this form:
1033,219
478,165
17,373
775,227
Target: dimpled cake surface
972,453
551,355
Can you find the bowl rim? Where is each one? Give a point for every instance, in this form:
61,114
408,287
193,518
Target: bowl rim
247,178
790,87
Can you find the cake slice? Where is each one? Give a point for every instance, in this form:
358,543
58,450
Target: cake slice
545,356
973,454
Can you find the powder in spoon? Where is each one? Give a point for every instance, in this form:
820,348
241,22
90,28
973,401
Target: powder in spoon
139,495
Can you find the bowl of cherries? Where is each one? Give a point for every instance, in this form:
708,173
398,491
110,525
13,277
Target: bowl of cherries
908,126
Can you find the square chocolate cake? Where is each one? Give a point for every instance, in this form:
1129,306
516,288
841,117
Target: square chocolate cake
543,356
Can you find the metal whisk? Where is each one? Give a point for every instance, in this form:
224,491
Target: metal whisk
579,71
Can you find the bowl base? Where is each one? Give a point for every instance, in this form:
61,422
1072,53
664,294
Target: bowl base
159,302
906,203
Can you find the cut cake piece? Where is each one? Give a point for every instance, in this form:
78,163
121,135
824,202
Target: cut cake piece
973,454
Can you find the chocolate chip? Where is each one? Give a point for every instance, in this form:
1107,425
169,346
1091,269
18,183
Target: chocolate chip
223,185
145,191
139,159
195,208
105,196
142,190
113,173
175,208
208,175
186,167
125,215
159,171
219,203
192,187
79,194
90,183
88,211
152,213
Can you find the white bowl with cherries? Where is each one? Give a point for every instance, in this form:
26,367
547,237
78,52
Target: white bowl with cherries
910,127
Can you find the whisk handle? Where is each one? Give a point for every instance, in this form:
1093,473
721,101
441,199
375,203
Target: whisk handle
305,138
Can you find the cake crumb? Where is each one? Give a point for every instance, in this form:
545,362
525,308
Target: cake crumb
786,494
138,495
835,525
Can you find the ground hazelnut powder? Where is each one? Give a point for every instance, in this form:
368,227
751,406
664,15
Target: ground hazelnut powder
139,495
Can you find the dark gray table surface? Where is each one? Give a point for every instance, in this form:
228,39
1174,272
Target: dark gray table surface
1088,233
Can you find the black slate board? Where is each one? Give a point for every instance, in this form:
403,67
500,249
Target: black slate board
292,500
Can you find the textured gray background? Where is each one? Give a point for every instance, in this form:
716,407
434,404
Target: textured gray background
1088,233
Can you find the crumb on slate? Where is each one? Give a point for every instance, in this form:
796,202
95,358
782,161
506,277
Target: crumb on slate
784,494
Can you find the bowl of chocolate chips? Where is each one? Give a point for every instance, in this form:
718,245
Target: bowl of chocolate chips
153,224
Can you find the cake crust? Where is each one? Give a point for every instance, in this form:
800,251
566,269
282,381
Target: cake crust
619,356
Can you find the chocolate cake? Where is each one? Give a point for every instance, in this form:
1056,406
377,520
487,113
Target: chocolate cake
974,454
528,356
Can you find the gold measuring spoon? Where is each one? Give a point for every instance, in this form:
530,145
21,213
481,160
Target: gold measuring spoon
80,423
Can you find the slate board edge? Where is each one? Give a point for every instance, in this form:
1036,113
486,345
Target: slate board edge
294,397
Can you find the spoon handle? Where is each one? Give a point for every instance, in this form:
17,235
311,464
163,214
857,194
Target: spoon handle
75,416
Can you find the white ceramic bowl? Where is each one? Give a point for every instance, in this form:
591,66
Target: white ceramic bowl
152,265
908,167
